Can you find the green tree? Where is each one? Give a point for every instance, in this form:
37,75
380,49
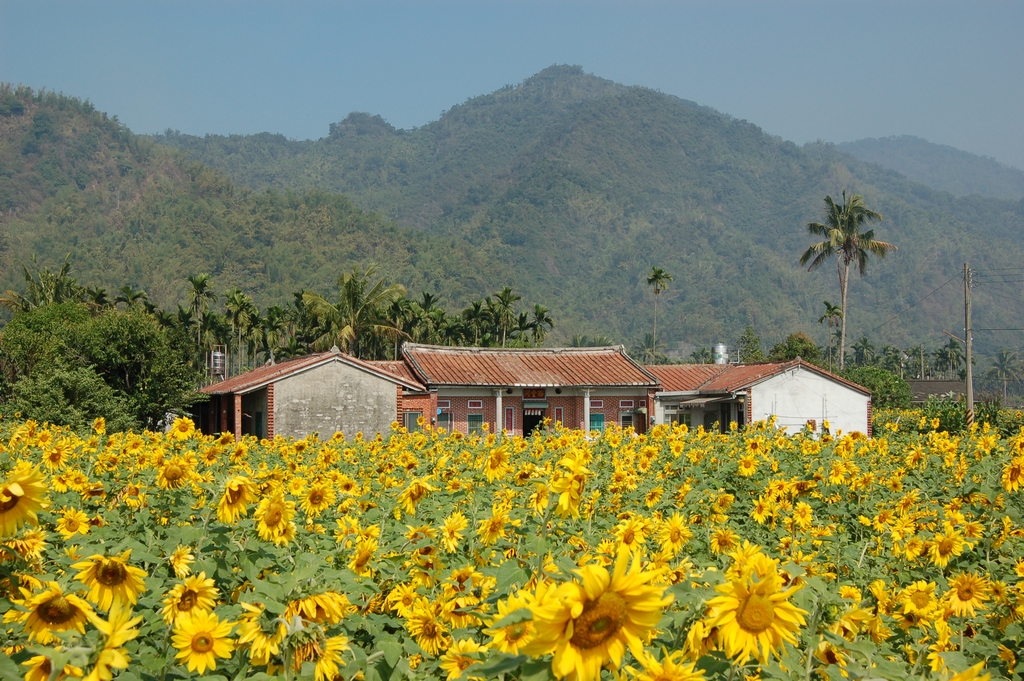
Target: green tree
658,280
43,286
701,356
863,352
832,318
647,350
888,391
541,318
1006,367
844,239
200,296
503,310
749,347
361,311
796,345
241,312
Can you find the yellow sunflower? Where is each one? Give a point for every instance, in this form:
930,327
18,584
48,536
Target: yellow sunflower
329,607
261,635
427,628
201,638
674,534
181,561
967,592
72,522
174,473
670,668
946,545
511,637
753,615
22,496
53,610
318,498
239,492
456,659
118,629
195,594
40,668
274,519
451,531
591,622
111,579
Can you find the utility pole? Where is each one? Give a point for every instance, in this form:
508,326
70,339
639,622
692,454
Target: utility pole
967,339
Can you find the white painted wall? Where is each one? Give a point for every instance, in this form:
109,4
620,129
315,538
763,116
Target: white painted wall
797,395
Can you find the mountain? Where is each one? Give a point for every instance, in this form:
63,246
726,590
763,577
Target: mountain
75,181
940,166
567,187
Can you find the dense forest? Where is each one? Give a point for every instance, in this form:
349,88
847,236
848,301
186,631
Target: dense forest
566,188
941,166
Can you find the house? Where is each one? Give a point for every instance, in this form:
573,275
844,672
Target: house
925,389
799,395
517,389
325,392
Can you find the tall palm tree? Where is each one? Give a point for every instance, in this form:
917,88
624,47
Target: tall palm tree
647,350
1006,367
843,238
658,280
701,356
44,286
832,317
864,352
361,310
130,297
201,297
241,311
503,310
541,318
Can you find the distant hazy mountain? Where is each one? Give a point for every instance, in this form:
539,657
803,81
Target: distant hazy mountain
566,186
941,166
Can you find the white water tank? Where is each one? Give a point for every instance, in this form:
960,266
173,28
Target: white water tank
720,353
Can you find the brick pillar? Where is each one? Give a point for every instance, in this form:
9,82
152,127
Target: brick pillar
399,406
270,411
238,418
432,416
750,405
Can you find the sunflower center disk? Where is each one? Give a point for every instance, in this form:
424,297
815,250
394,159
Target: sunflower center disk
756,614
56,611
10,502
111,573
945,547
274,514
187,600
202,642
600,620
174,472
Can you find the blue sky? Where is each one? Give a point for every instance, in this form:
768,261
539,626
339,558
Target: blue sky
951,72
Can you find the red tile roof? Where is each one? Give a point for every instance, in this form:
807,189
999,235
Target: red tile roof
261,376
530,367
397,368
707,379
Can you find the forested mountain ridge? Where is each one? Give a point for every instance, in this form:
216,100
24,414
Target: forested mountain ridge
589,184
941,166
74,181
567,187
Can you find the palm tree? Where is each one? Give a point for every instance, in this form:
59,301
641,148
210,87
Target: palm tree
200,298
503,310
647,350
658,279
43,287
1006,367
241,311
541,318
476,316
130,297
701,356
844,239
361,310
832,317
863,352
272,329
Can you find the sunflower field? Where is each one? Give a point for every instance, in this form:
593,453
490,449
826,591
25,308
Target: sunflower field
671,556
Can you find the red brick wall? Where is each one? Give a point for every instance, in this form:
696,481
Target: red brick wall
420,402
238,417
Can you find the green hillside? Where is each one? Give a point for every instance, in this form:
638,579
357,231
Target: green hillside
73,180
567,187
941,166
589,184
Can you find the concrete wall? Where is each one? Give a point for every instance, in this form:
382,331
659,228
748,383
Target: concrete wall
333,397
799,395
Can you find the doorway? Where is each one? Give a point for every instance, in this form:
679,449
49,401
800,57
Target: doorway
533,420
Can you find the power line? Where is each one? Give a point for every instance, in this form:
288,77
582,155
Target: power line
955,276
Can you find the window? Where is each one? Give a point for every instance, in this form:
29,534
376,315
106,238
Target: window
411,418
475,404
510,419
626,419
475,424
682,417
596,404
444,420
560,415
597,421
625,404
444,404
